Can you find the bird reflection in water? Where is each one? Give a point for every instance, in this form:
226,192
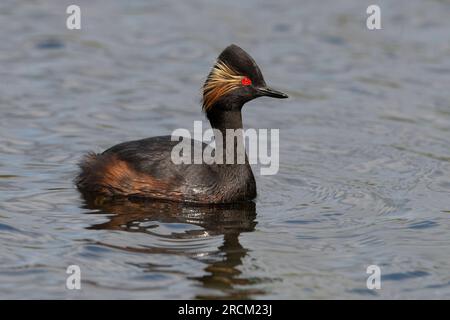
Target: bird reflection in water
222,267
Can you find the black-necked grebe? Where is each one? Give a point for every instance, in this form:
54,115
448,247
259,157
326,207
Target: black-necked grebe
144,168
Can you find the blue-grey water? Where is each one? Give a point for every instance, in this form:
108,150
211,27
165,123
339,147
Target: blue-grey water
364,173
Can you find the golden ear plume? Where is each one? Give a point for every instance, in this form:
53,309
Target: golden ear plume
222,80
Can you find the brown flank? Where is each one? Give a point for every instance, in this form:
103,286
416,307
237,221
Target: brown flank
110,176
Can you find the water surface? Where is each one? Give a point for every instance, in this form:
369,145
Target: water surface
364,154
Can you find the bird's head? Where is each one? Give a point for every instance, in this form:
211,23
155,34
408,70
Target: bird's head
234,80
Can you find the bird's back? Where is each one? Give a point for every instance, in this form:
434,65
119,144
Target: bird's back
145,168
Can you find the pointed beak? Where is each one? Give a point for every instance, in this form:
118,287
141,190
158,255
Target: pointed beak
268,92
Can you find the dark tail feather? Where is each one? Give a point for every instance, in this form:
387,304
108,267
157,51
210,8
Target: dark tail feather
87,166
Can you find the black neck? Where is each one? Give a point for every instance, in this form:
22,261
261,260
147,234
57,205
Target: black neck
238,175
223,120
223,117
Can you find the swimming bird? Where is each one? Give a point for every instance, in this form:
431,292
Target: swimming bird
144,168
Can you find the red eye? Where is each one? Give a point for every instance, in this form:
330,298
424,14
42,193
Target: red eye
246,81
